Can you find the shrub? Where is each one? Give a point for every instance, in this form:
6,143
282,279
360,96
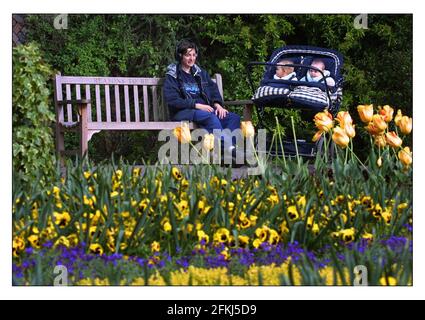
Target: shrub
33,146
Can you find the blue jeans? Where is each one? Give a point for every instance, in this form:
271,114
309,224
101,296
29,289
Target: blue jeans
210,121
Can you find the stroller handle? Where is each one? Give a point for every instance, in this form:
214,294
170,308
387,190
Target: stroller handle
254,63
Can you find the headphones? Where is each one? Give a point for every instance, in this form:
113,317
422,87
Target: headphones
183,45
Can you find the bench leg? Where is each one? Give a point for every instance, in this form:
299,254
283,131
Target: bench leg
60,145
83,130
247,113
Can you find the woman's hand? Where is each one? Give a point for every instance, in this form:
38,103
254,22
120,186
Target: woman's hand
204,107
220,111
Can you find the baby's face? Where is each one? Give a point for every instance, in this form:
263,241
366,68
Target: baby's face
283,71
315,73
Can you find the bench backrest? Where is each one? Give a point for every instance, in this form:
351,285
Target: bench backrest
114,99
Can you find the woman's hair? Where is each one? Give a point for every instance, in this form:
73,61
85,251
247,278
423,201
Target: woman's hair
183,46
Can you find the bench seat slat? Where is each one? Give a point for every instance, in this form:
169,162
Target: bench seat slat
136,125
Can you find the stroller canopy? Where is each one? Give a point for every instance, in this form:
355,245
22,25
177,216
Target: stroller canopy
332,59
301,90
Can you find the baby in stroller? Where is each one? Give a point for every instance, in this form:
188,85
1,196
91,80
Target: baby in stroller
315,76
285,72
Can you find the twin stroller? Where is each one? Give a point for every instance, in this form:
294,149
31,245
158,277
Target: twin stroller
299,90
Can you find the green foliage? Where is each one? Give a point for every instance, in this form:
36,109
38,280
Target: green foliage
33,146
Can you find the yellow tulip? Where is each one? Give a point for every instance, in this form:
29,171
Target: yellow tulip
379,162
349,130
405,125
398,117
208,142
317,136
323,121
386,113
374,130
393,139
182,133
247,128
340,137
405,156
365,112
380,141
379,122
344,119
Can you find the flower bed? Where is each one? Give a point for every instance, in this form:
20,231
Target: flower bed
116,224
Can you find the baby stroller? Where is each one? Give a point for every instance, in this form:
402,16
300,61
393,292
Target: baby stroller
299,92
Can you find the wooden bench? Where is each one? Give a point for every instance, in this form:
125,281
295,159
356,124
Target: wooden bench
88,105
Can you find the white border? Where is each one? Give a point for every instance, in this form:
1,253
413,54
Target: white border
200,6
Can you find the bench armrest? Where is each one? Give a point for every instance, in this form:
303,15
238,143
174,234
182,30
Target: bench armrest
238,103
247,111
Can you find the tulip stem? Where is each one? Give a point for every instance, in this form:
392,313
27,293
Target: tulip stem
295,140
200,153
326,147
358,159
280,140
346,156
